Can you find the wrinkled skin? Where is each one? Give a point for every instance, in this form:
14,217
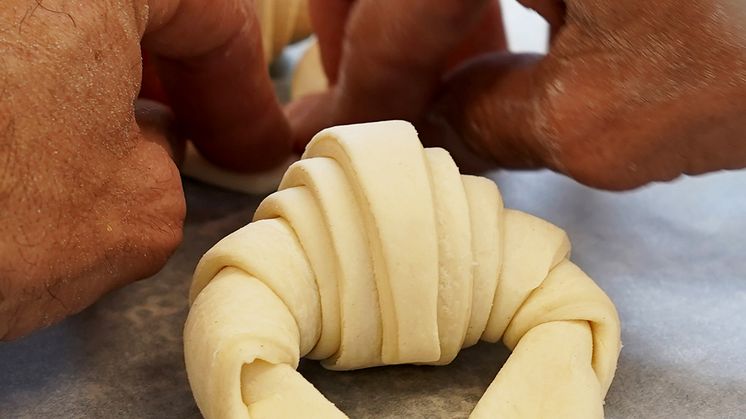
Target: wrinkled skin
90,196
631,92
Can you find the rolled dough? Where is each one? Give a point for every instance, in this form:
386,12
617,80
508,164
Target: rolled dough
376,251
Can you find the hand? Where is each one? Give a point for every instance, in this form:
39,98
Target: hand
90,195
631,91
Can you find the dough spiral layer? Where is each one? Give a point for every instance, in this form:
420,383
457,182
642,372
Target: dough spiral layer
376,251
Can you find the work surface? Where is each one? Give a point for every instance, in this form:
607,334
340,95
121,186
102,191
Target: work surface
672,257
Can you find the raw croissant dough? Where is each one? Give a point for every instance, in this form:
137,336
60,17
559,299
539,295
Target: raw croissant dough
309,76
376,251
282,22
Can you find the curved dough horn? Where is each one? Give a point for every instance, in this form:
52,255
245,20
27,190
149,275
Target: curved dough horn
376,251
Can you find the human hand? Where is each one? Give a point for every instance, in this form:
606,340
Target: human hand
631,92
90,196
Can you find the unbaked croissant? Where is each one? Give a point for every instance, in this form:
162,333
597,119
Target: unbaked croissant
376,251
282,22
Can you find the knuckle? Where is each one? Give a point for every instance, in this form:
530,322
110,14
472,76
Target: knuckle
602,173
162,190
164,235
155,212
28,306
160,239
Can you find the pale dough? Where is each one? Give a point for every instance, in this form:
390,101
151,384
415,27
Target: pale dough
376,251
197,167
309,76
282,22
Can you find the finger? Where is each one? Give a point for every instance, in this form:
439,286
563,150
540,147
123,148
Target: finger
158,125
493,105
391,76
529,112
308,115
329,18
312,113
488,36
407,63
212,68
151,87
553,11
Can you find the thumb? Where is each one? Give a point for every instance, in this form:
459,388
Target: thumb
493,110
310,114
212,67
494,106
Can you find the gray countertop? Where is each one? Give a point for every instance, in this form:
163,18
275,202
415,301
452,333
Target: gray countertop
672,257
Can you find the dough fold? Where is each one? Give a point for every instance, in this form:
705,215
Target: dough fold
376,251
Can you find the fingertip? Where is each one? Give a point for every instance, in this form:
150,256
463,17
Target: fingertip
255,146
490,105
487,37
212,68
329,19
158,125
436,131
151,87
307,116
